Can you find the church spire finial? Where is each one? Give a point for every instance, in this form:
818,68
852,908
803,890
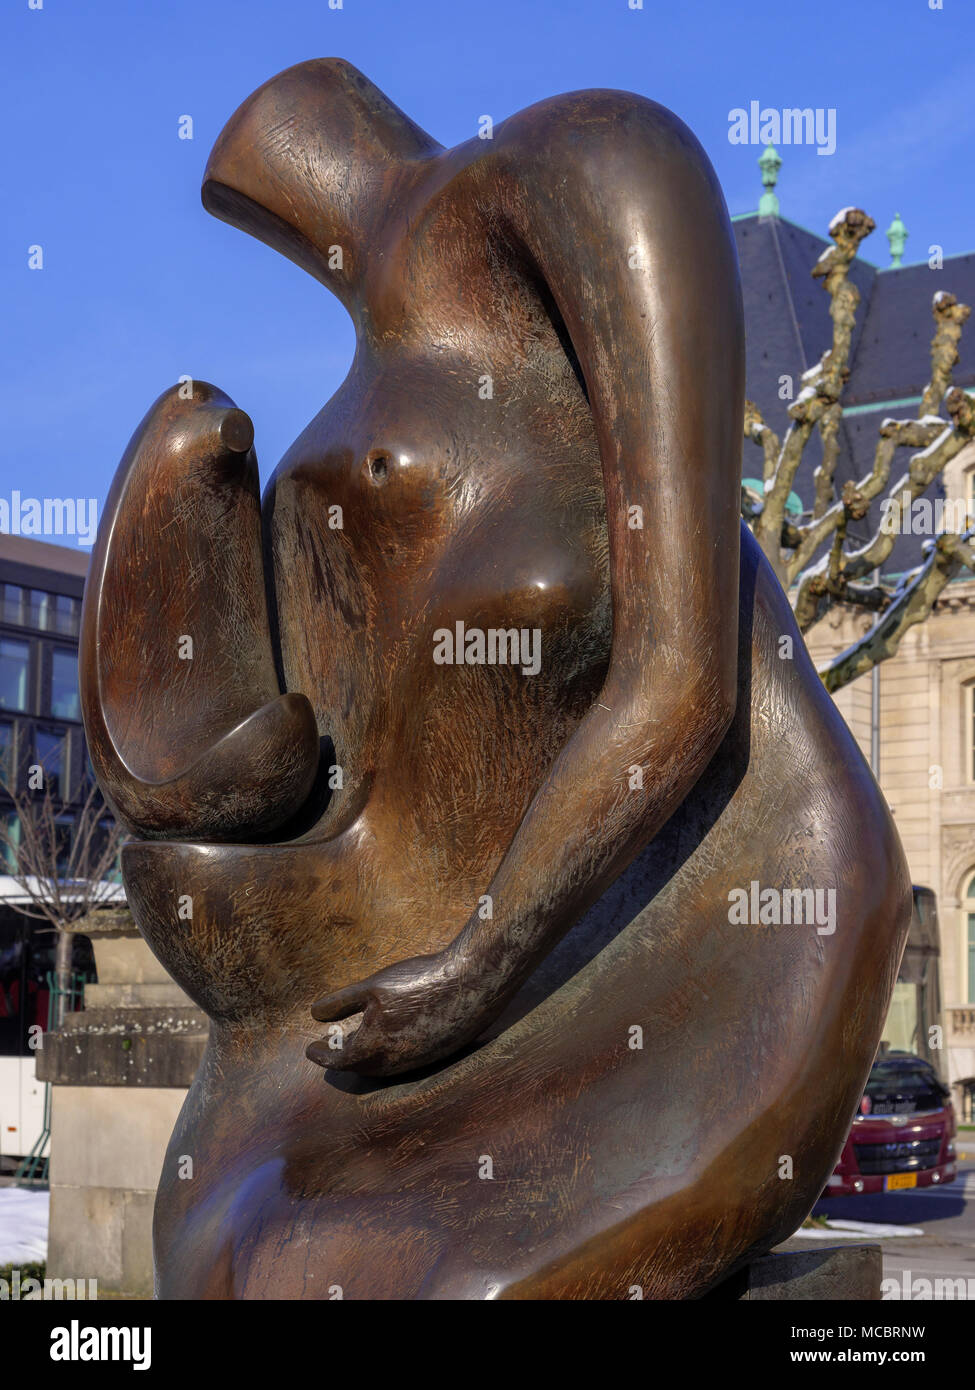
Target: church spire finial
897,234
770,163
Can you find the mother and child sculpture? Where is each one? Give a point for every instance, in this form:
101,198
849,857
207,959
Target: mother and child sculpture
448,761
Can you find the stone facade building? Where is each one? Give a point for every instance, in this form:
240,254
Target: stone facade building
916,713
925,708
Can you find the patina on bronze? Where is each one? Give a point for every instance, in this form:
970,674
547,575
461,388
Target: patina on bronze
553,1066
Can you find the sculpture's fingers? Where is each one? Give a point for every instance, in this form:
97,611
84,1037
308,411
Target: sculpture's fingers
188,732
341,1003
344,1048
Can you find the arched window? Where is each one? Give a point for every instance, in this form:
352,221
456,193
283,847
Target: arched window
968,907
968,732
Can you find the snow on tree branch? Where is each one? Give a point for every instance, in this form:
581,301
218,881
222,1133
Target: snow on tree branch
811,557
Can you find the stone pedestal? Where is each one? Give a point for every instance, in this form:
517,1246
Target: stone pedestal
119,1070
849,1273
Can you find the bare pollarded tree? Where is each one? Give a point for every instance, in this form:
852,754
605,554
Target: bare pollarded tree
62,855
813,558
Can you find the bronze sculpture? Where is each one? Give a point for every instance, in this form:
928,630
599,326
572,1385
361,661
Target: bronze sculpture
554,1066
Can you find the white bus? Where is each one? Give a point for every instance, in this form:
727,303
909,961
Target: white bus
26,966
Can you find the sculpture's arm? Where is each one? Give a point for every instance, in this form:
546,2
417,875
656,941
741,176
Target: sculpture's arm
615,205
188,732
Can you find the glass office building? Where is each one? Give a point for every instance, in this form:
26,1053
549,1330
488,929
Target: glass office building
40,723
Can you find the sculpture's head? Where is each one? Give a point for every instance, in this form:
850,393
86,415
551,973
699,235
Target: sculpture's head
310,164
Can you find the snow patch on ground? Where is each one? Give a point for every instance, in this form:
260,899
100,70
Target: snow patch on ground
23,1225
854,1230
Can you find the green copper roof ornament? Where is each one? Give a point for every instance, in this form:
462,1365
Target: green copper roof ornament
770,163
897,234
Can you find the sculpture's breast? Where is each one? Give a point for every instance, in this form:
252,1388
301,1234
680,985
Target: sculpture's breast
439,551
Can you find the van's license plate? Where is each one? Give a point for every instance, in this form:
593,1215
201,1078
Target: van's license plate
897,1180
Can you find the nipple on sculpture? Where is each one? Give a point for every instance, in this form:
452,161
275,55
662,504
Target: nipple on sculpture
377,465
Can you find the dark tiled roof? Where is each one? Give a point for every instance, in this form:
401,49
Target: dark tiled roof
787,327
893,358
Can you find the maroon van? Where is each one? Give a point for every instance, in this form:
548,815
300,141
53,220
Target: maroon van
904,1135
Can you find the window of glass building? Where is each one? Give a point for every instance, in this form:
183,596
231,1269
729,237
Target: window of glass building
12,604
65,612
49,750
54,613
64,685
101,837
7,753
37,609
9,840
63,843
14,664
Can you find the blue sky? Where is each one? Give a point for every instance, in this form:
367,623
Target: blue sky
141,286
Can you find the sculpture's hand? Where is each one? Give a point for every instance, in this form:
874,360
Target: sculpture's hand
408,1015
